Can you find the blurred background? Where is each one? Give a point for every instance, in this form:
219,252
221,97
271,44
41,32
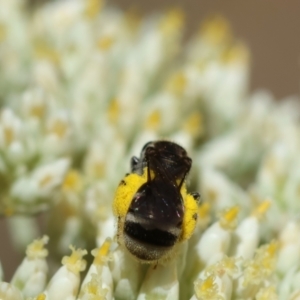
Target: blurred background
270,28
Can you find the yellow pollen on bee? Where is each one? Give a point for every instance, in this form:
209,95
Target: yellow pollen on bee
190,216
125,192
228,219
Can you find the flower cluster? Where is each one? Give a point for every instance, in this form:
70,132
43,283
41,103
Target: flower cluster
82,88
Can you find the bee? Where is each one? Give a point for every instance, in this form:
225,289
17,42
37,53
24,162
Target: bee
154,211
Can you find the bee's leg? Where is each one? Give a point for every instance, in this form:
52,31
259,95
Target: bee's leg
196,197
134,163
148,172
186,168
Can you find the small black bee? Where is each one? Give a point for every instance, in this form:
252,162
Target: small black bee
154,210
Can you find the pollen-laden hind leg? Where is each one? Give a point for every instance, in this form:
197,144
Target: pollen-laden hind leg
191,205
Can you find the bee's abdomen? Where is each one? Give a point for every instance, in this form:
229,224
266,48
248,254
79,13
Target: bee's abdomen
155,237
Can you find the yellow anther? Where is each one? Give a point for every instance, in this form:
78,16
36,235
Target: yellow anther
93,289
194,124
98,169
74,262
211,195
236,53
36,248
133,19
105,43
44,51
262,208
101,254
3,32
267,293
228,219
262,265
41,297
93,7
216,30
45,180
208,283
59,128
37,111
207,289
72,181
172,22
272,248
204,210
226,265
154,119
113,111
177,83
9,135
8,211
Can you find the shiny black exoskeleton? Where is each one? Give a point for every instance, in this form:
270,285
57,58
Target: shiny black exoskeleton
153,223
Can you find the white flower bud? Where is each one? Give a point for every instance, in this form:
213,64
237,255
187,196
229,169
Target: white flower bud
9,292
99,274
41,184
160,282
246,238
64,285
127,274
216,239
289,247
31,275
